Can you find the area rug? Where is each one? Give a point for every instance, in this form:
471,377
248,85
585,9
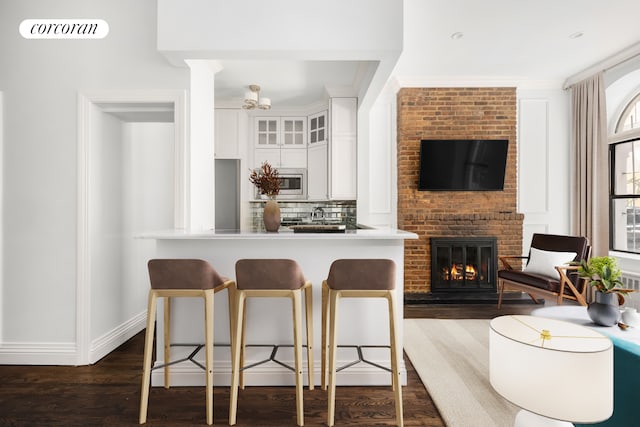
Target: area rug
452,359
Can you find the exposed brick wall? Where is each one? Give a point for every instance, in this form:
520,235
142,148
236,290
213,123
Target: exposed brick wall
454,113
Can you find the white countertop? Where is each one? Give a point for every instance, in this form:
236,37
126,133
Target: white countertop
283,233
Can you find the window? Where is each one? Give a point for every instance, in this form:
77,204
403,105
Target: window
630,117
625,196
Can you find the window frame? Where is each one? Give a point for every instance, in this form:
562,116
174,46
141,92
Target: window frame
634,103
612,190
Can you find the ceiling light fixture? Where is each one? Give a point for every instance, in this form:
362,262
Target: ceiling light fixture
457,35
253,100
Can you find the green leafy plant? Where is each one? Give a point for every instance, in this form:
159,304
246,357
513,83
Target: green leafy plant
603,274
266,179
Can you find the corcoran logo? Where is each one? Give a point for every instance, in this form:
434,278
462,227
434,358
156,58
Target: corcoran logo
64,29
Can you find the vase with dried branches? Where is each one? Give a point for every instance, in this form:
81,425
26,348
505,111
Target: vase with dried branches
267,182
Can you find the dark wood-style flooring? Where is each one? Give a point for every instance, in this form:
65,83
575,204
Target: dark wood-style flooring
107,393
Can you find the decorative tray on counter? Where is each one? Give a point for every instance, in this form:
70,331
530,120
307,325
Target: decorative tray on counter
318,228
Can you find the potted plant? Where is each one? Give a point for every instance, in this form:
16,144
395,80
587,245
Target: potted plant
267,182
604,275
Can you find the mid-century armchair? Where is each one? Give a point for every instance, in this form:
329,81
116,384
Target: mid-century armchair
547,271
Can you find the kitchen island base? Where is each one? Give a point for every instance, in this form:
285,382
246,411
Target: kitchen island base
364,323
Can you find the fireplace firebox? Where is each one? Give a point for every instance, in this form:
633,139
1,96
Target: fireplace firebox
463,265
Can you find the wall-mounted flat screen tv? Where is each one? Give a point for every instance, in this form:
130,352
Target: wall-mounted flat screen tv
462,164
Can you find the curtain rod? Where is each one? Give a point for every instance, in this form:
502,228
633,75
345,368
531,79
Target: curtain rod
604,65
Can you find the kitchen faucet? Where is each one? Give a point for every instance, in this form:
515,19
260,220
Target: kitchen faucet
317,213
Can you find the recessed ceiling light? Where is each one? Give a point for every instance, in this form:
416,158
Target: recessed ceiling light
576,35
457,35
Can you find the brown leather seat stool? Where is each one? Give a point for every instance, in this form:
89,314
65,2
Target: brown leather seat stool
271,278
357,278
180,278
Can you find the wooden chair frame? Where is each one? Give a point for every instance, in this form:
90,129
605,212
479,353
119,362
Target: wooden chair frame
239,326
330,300
532,291
207,296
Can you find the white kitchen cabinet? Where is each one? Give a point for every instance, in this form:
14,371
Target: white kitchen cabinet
282,141
293,158
271,155
317,156
280,157
230,133
317,182
343,148
290,132
318,128
267,131
293,132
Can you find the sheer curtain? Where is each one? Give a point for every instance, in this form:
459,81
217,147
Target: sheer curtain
590,196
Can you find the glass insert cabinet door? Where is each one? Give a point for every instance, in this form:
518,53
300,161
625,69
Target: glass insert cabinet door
294,131
267,131
318,128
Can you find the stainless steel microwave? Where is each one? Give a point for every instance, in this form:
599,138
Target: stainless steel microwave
293,184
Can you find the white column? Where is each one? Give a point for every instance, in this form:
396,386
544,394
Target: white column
201,205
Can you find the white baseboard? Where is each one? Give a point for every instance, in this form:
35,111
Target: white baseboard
271,374
108,342
20,353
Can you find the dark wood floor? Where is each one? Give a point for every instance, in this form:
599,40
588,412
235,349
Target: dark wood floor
107,393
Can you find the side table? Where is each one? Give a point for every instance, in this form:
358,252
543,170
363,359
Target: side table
626,362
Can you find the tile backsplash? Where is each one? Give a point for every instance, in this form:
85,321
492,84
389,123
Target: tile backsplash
292,212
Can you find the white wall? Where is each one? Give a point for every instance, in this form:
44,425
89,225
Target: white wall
1,211
40,80
148,204
543,161
377,161
106,219
131,187
332,29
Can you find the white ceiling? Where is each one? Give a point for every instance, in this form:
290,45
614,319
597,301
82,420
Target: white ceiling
289,83
514,38
503,40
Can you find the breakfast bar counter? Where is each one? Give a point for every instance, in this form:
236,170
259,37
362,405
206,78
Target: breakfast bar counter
269,322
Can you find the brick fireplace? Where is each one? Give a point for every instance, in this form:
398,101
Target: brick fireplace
454,113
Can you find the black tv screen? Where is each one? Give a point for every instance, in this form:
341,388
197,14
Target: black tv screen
462,165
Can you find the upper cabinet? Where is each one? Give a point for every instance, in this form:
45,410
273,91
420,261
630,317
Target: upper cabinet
343,148
267,131
293,132
318,126
281,141
230,133
272,132
317,156
324,143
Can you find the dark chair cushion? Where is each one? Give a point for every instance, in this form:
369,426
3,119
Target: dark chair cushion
539,281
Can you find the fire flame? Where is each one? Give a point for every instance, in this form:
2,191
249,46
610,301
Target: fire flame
460,272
